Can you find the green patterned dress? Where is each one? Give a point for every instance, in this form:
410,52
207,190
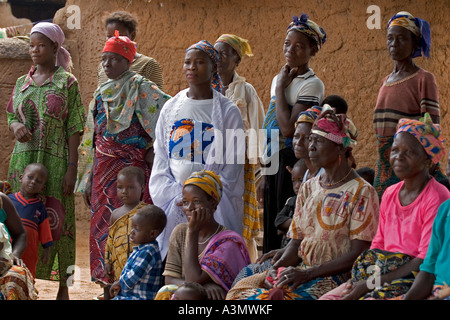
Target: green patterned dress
52,112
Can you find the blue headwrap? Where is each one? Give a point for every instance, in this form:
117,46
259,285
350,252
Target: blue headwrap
209,49
417,26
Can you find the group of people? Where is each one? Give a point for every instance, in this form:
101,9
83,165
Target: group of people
174,187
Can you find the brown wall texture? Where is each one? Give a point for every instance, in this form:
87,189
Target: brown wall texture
352,63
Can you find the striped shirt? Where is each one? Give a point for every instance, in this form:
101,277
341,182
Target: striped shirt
141,277
409,98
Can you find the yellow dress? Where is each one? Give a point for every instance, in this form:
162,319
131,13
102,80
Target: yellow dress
118,246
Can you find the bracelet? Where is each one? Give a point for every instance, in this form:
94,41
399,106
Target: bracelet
73,164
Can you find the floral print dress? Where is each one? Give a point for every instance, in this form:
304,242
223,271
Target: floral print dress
52,112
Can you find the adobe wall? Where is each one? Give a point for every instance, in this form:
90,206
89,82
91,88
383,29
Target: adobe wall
352,62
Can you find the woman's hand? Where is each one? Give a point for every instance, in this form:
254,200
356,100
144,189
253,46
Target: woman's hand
286,75
70,178
214,291
88,191
200,217
21,132
293,277
275,255
354,291
115,289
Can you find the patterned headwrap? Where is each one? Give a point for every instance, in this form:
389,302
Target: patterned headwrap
335,127
209,49
310,115
121,45
55,34
240,45
309,28
208,181
428,133
417,26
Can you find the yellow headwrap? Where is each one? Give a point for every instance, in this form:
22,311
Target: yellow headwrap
240,45
208,181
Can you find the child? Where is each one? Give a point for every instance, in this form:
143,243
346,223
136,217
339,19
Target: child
141,277
284,217
130,188
33,214
190,291
337,103
46,115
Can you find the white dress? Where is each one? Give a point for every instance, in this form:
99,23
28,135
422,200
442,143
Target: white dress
226,157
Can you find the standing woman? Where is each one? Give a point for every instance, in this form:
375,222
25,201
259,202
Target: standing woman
231,49
295,89
127,107
145,66
193,134
408,92
46,115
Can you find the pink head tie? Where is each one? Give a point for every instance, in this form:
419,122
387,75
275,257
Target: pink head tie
55,34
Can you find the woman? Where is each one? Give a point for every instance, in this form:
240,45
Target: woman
126,109
231,49
195,132
16,281
294,89
408,92
300,142
335,219
147,67
222,252
407,212
47,118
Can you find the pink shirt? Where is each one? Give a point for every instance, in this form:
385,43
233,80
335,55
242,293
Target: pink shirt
407,229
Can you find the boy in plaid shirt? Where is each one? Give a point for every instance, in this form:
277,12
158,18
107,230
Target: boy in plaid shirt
141,277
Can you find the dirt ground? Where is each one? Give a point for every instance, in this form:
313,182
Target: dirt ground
83,288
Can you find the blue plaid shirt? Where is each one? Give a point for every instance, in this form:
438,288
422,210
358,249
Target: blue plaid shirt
141,277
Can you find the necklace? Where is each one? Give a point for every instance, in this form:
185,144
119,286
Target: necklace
335,183
218,227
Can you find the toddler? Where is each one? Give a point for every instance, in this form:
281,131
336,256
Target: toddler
141,277
33,214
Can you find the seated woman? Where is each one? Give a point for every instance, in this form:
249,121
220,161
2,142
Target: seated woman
433,278
407,211
203,250
16,281
335,219
300,143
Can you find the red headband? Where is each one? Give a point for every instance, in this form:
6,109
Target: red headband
121,45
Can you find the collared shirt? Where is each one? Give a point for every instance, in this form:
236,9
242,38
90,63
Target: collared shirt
141,277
